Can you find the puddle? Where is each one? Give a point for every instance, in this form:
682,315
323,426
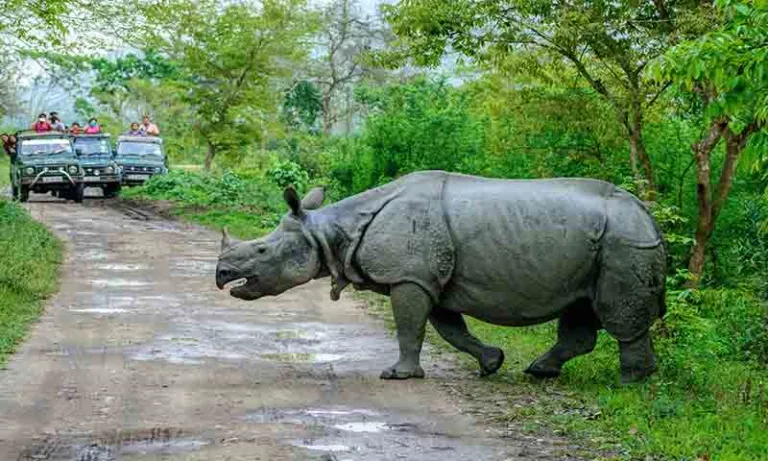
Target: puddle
375,436
112,446
331,448
118,283
343,345
91,255
189,267
370,426
120,267
101,310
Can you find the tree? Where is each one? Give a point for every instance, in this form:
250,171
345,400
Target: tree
725,72
607,44
232,58
345,35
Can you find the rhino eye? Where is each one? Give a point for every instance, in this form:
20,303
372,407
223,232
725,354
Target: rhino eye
262,250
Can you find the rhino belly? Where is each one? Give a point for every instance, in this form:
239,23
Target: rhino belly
520,285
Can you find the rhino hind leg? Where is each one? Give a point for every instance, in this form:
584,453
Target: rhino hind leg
630,297
411,307
576,335
452,328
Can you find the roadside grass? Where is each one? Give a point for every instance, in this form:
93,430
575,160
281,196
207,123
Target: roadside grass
248,205
29,262
708,401
5,169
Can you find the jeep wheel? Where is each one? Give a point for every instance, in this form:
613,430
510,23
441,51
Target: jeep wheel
78,192
111,191
15,192
24,194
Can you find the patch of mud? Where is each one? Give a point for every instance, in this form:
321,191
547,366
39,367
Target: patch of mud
370,435
112,446
298,343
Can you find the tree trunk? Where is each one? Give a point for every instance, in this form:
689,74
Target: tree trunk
327,115
638,152
209,157
702,152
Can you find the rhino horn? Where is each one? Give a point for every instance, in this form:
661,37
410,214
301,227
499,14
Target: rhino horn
226,240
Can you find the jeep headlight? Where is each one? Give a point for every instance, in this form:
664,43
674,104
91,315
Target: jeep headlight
29,171
158,169
72,169
109,170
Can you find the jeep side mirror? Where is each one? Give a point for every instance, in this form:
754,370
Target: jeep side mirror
78,151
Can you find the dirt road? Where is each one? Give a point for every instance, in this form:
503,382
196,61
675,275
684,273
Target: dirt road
139,357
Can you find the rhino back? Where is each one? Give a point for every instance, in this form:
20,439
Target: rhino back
524,249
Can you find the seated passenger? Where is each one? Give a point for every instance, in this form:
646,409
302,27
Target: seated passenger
41,125
93,127
149,128
135,130
75,128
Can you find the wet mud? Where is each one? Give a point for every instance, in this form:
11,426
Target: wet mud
140,357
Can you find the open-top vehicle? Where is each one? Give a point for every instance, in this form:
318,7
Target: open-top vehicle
97,160
140,158
46,162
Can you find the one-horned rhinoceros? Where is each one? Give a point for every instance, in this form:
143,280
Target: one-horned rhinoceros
507,252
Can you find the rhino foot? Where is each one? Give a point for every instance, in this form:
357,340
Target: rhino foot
538,369
400,371
491,360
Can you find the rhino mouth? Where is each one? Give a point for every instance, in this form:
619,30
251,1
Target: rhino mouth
245,288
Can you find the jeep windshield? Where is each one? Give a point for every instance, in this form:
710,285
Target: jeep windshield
87,146
139,149
30,147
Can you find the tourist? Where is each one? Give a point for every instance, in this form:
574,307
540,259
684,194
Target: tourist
135,130
149,128
93,127
41,125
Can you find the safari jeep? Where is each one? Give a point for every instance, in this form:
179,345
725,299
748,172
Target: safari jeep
46,162
140,158
97,160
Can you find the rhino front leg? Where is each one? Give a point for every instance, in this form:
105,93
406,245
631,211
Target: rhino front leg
411,306
451,326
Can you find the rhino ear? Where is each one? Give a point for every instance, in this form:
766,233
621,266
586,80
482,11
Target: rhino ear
314,199
292,199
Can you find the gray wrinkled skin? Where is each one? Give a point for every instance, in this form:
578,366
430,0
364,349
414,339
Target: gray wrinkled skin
507,252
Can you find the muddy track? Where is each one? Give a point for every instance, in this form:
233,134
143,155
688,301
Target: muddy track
139,357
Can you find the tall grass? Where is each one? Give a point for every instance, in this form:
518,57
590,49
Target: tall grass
29,262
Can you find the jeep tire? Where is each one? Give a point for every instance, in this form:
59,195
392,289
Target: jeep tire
23,193
77,193
111,191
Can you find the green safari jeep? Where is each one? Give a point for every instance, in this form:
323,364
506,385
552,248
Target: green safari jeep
46,162
98,163
140,157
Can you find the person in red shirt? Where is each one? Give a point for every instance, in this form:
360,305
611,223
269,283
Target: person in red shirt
75,128
42,125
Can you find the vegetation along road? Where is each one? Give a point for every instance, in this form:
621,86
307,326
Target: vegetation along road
140,357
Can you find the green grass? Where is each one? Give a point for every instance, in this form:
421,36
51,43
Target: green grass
709,399
29,262
4,171
248,206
